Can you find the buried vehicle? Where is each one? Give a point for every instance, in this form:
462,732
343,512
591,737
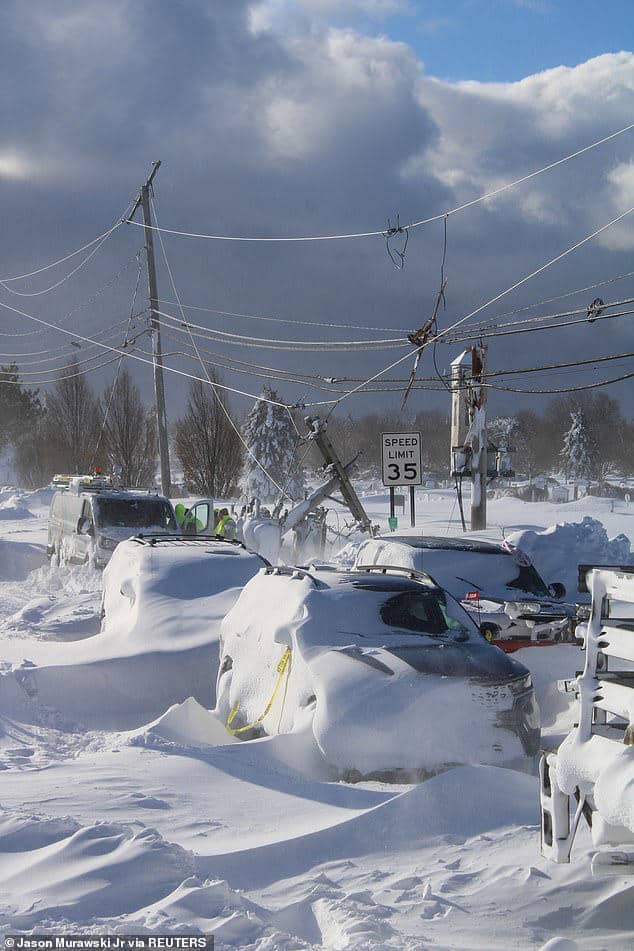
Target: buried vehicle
496,583
164,597
385,668
88,518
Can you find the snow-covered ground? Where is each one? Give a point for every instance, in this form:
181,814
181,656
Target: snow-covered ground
172,825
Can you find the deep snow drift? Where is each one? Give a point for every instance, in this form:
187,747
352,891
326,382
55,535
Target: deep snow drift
161,821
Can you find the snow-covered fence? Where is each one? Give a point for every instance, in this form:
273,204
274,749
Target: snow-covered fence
594,766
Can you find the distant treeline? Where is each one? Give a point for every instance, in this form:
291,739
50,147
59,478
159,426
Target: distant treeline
70,428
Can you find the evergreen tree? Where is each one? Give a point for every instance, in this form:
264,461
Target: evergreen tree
271,437
577,453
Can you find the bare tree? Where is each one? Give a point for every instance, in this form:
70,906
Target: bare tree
207,446
129,434
72,421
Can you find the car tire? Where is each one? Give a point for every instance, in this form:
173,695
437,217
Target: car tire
490,632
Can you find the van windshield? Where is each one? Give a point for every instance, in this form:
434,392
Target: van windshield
134,513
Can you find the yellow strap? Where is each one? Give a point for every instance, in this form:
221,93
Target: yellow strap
282,668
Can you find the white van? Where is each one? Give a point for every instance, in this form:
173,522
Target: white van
88,518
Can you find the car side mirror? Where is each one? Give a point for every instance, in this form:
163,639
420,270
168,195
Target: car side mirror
85,526
557,590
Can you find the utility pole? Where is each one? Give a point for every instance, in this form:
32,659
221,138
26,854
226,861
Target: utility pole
479,439
469,428
143,201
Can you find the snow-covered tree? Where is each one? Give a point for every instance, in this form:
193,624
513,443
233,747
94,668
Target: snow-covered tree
503,431
577,454
270,435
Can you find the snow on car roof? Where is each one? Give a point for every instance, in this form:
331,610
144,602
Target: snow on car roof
448,544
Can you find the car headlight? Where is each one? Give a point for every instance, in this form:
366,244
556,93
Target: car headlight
516,609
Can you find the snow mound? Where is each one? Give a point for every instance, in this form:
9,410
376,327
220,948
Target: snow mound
55,872
18,559
213,907
14,508
184,724
461,803
557,550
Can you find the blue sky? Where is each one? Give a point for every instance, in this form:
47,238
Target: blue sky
501,40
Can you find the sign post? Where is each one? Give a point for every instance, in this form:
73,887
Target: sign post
402,465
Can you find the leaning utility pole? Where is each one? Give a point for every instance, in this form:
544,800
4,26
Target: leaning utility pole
157,356
317,427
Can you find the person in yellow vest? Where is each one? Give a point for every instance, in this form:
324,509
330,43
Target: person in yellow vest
226,526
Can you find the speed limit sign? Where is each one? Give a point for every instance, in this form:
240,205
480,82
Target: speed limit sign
401,460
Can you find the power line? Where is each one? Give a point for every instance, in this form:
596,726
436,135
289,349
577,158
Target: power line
57,379
493,300
46,267
85,303
404,228
578,290
66,277
286,320
133,356
272,343
537,318
524,330
275,372
58,352
568,389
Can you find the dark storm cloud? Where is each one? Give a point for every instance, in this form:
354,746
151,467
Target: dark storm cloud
280,126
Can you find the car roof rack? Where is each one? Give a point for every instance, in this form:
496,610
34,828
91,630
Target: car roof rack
182,539
82,483
291,571
153,538
412,574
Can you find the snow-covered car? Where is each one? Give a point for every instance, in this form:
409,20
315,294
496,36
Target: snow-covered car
496,583
165,596
386,669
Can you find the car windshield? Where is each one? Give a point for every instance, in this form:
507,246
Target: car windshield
135,513
495,575
421,613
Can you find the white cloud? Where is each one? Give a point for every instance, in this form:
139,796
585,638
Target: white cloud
344,82
491,133
621,190
292,15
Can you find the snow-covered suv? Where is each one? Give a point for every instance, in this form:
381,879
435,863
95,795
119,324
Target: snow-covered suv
385,668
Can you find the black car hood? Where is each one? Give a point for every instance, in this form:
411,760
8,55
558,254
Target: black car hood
480,662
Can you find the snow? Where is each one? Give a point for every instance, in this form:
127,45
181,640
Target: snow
126,807
14,508
557,550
